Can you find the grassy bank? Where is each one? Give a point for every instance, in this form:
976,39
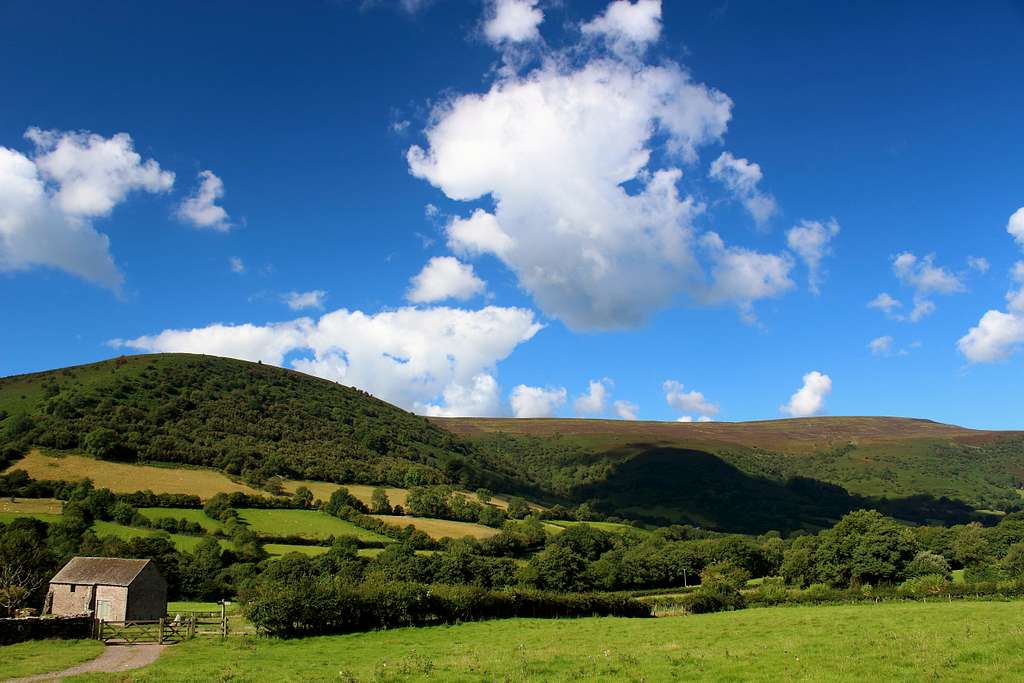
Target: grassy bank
953,642
43,656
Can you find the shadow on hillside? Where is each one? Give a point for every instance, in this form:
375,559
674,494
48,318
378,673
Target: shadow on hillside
665,485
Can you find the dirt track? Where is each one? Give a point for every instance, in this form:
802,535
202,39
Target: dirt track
115,658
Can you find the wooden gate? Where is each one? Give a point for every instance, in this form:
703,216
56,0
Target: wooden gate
131,632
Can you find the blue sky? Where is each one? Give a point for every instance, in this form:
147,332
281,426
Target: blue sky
484,208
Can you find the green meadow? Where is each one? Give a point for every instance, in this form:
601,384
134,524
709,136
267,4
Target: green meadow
959,641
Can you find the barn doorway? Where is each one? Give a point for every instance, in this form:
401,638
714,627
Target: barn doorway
103,610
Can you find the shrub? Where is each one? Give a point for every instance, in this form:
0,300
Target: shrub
924,586
309,606
927,563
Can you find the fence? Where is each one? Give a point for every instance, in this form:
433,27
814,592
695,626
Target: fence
131,632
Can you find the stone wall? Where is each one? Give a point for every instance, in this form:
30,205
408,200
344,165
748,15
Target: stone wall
35,628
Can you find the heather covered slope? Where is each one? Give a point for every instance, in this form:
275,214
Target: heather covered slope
868,456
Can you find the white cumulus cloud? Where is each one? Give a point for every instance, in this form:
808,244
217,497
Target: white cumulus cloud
513,21
50,197
886,303
810,398
444,277
237,265
811,240
742,177
298,301
413,357
1015,226
688,401
626,26
881,346
926,279
529,401
201,209
999,334
553,149
593,402
743,276
480,398
627,410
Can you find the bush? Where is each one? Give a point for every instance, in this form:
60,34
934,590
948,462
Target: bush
309,606
926,563
924,586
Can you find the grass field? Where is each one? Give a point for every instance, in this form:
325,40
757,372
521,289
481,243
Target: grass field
278,549
124,478
182,542
191,514
439,528
305,523
963,641
43,656
45,509
612,527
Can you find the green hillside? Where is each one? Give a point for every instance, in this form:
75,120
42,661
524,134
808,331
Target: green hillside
247,419
258,423
699,472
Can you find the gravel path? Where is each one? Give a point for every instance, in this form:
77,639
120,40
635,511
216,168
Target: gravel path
114,658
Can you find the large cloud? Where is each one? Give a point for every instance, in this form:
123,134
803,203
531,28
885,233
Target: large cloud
48,200
409,356
810,398
555,149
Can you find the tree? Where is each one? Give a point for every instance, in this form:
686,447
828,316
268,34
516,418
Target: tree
103,443
1013,563
798,567
865,547
927,563
303,497
379,503
517,508
483,495
970,547
558,568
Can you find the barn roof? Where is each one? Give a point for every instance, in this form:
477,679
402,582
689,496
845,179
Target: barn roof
106,571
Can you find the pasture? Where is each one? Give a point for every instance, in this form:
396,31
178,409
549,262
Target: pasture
439,528
309,524
45,509
191,514
279,549
125,478
182,542
961,641
611,527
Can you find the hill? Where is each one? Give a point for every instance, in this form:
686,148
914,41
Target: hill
259,424
647,468
246,419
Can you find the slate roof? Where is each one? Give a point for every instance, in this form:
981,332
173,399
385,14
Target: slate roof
104,571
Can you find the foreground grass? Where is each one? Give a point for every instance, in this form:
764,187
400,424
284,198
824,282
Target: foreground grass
43,656
962,641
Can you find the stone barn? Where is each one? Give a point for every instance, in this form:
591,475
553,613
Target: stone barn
108,588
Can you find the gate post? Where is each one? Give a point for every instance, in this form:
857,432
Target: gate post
160,638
